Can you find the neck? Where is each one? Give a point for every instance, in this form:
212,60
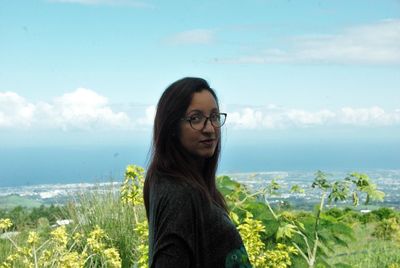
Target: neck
198,163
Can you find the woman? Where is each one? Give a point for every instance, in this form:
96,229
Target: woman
188,221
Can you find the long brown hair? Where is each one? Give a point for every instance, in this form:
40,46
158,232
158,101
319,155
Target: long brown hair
168,157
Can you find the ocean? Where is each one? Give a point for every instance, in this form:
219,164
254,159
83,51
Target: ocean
387,181
28,166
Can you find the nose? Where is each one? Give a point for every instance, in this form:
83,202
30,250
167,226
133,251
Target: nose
208,127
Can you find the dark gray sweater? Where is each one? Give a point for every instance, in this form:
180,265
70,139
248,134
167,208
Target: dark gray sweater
186,231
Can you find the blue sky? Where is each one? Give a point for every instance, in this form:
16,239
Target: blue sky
91,71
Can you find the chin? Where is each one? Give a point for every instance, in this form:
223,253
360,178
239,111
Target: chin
207,154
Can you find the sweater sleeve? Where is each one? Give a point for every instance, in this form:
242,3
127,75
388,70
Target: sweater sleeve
175,254
173,231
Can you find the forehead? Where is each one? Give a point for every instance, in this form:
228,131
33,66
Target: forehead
203,101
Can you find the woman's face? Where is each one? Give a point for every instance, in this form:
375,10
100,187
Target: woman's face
200,143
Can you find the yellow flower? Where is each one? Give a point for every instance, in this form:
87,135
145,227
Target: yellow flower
112,258
9,263
45,259
77,237
60,236
72,260
94,239
23,251
280,257
144,257
142,230
12,257
132,188
134,171
5,224
250,231
27,263
33,238
95,245
97,233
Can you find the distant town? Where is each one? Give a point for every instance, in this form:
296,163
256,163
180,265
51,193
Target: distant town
387,181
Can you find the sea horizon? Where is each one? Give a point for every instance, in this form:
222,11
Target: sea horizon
52,165
387,181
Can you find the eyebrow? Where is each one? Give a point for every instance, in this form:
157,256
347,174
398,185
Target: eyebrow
199,111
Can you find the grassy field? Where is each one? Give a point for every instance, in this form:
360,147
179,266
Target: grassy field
11,201
366,251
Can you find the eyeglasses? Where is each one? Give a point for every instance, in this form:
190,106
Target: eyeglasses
198,121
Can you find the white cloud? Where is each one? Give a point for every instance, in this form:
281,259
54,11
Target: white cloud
247,118
132,3
368,44
305,118
15,110
371,116
148,119
80,109
196,36
271,117
84,109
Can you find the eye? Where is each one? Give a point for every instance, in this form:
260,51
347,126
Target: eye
196,118
215,117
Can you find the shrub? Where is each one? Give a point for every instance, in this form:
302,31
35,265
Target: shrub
384,213
388,229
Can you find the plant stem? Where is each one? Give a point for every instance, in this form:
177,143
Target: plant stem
134,214
34,256
270,208
316,226
12,242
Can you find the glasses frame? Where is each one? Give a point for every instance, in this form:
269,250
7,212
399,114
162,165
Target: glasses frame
187,118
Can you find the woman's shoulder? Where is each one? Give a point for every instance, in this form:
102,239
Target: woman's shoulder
170,182
173,187
171,196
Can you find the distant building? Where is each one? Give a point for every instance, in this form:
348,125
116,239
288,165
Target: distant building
365,211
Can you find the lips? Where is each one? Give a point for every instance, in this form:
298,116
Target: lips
208,142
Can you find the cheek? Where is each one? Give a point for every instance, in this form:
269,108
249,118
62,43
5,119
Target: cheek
187,137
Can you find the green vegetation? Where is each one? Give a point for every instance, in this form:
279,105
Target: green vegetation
11,201
315,235
367,250
106,230
25,217
109,227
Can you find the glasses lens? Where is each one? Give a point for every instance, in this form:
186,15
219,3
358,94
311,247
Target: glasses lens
197,126
217,120
198,121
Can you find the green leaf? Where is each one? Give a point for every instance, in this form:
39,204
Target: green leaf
339,191
297,189
355,199
235,218
285,231
320,181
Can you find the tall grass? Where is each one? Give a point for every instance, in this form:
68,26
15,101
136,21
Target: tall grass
104,208
367,251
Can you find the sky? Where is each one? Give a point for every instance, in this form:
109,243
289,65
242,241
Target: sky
90,72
